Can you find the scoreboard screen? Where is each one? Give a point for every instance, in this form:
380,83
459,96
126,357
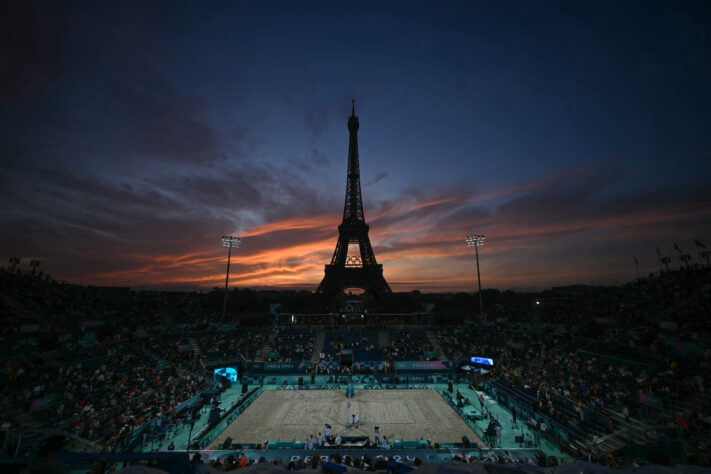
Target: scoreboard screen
229,373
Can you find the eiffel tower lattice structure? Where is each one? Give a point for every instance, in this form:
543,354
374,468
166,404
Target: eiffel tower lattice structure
351,270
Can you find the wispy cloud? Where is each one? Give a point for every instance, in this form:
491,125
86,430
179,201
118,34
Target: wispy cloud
378,178
165,233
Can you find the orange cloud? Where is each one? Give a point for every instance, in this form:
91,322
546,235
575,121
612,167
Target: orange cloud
421,245
324,221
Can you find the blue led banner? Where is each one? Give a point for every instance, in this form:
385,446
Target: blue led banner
482,360
228,373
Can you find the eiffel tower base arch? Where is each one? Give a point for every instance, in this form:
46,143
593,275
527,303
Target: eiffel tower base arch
337,279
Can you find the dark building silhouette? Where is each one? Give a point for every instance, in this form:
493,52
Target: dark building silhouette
353,271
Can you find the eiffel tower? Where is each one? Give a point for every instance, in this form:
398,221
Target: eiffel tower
353,271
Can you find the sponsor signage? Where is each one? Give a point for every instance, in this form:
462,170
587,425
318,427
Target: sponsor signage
277,367
424,365
404,456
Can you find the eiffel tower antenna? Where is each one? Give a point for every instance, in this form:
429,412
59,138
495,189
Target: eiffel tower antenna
353,271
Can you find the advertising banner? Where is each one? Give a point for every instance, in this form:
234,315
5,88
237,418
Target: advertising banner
422,365
277,367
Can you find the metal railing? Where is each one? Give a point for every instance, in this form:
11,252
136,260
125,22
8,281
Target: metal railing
210,433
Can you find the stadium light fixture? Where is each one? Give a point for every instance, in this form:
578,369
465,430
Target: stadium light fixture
476,241
230,242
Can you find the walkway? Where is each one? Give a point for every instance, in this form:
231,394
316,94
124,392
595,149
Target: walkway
509,430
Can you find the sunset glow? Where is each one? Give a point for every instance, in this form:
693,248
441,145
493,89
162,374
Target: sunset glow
573,137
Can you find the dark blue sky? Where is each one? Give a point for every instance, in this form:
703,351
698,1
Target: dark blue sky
574,135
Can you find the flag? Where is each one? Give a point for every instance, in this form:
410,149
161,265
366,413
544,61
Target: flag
635,260
659,254
677,248
699,244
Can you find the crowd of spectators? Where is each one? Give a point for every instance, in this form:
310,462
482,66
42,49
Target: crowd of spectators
101,362
631,356
407,344
294,344
102,399
334,347
227,343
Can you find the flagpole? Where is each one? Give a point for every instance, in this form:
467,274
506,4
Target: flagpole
703,256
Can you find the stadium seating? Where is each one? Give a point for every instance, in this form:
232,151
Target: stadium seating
135,357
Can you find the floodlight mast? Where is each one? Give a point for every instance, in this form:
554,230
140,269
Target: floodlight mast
229,242
475,241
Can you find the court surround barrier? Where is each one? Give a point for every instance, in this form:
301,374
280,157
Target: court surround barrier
404,456
410,444
284,368
178,462
420,367
326,382
208,434
360,387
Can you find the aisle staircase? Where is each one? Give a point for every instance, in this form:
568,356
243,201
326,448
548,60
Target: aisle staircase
601,445
196,350
628,433
434,340
268,346
318,345
25,439
154,358
383,339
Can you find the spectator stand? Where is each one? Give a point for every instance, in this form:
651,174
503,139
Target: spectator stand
409,344
364,344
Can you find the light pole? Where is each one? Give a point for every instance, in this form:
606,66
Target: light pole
229,242
476,241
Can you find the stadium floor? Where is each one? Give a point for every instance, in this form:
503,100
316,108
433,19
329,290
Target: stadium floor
288,415
179,436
